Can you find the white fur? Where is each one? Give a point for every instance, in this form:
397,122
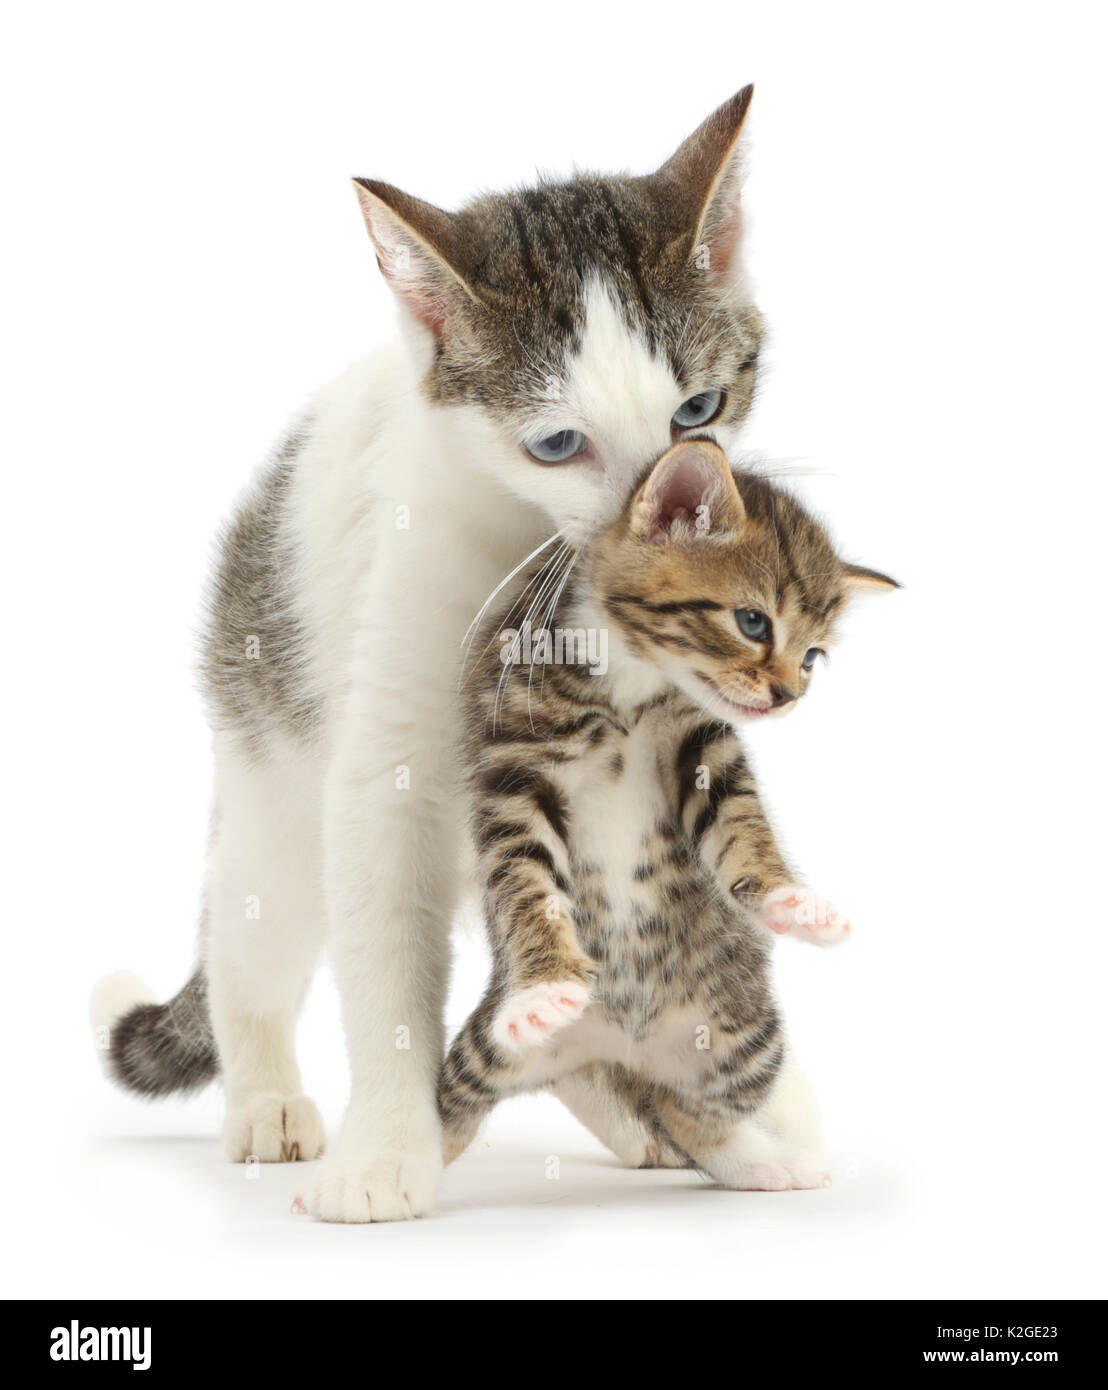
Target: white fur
622,397
790,1117
608,1116
114,996
752,1159
272,1128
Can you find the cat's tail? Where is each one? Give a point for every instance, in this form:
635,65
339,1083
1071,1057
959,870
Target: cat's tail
154,1049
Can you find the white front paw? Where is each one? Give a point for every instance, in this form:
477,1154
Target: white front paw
790,1171
380,1186
796,911
755,1162
272,1128
532,1016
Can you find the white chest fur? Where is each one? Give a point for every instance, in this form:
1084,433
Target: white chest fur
613,814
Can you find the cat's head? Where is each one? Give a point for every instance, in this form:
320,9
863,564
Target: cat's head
724,582
569,333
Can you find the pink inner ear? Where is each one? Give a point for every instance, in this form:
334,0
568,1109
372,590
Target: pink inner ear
419,299
684,485
724,241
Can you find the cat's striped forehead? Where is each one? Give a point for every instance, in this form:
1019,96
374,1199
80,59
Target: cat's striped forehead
537,256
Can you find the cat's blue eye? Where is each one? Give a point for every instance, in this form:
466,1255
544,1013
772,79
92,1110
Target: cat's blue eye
698,410
752,624
557,448
810,657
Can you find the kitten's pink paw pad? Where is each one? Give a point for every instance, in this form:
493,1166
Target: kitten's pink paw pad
796,911
532,1016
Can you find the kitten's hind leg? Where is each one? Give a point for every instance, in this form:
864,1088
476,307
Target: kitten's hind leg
263,938
737,1150
790,1110
619,1110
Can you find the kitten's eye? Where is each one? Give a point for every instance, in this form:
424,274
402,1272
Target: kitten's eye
810,657
752,624
557,448
698,410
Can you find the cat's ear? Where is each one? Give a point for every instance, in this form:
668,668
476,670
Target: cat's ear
419,249
701,181
859,579
690,492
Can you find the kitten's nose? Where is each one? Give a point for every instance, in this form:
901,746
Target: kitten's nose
781,695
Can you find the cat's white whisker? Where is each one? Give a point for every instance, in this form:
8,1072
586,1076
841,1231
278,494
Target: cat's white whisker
471,631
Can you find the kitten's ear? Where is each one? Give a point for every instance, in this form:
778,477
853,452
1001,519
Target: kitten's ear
690,492
419,249
702,179
859,579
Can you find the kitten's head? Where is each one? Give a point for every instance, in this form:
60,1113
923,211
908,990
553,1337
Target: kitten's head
724,582
571,332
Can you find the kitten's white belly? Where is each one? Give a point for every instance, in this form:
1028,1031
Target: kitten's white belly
611,816
676,1051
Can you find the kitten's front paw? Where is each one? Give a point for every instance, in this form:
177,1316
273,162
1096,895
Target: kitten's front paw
532,1016
272,1128
796,911
375,1187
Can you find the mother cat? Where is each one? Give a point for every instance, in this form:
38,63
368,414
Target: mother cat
556,341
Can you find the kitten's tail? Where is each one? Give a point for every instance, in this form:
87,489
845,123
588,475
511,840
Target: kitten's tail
154,1049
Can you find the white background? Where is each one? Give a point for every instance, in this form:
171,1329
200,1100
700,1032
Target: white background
184,264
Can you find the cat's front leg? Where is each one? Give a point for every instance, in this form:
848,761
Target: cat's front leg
390,880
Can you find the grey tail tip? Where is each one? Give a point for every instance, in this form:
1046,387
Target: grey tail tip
158,1049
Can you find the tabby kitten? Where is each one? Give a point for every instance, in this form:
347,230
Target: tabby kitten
633,883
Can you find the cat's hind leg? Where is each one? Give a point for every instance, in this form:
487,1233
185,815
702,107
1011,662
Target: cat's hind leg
264,932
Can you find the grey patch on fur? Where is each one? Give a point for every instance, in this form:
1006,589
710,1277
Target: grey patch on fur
156,1049
253,666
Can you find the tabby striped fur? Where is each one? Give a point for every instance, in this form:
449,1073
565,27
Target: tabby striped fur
626,858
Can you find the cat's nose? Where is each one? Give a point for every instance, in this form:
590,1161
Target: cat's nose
781,695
